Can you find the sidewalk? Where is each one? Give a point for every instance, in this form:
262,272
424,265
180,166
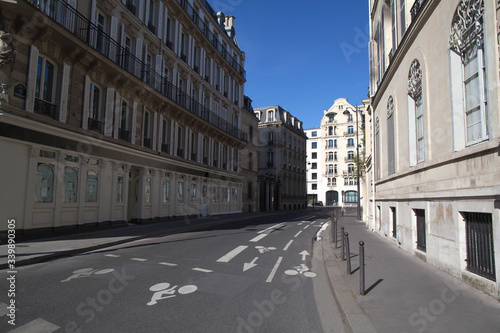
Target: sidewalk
403,293
39,250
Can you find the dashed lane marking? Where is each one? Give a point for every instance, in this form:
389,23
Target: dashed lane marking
258,238
112,255
202,270
138,259
298,234
287,245
231,254
167,264
275,268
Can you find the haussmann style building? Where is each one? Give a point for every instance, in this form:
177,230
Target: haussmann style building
119,111
435,89
282,160
332,151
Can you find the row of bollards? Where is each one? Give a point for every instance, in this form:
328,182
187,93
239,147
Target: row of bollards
346,254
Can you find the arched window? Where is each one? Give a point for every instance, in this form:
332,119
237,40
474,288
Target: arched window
415,113
70,185
468,74
351,197
330,130
390,136
44,188
91,186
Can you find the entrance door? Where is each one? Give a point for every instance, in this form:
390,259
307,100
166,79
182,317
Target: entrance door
332,198
133,194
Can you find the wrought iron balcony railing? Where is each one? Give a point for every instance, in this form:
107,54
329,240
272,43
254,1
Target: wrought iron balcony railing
45,108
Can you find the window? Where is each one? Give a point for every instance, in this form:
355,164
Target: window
330,169
468,74
314,176
421,237
270,159
331,119
350,130
415,113
91,186
351,197
193,193
314,186
123,130
314,166
119,189
334,181
180,192
350,168
391,161
330,143
147,190
147,130
335,143
204,194
350,142
402,17
180,141
350,155
166,191
249,189
44,183
314,145
314,134
95,109
394,222
70,185
479,242
270,115
393,26
101,30
45,80
346,181
330,130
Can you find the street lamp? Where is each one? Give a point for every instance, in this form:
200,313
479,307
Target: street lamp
358,211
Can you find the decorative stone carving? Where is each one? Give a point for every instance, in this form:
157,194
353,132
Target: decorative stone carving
390,106
6,49
415,80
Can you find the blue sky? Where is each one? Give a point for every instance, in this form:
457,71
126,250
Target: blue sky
302,55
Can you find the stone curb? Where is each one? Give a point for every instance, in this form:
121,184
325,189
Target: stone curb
355,319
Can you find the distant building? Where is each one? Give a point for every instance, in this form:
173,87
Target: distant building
120,111
435,91
282,160
249,158
331,155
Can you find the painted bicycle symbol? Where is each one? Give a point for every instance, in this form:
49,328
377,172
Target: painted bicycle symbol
86,272
161,289
263,249
302,269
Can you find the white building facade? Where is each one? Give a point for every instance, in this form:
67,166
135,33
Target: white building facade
434,72
331,155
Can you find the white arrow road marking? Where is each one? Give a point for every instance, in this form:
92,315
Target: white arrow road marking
275,268
37,325
201,270
231,254
252,264
304,254
298,233
288,245
167,264
258,238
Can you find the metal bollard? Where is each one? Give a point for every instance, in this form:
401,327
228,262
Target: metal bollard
362,268
343,243
335,230
348,253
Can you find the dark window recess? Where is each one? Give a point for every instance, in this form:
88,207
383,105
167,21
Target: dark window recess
421,241
480,249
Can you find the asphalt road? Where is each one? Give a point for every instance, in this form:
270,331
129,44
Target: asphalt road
260,276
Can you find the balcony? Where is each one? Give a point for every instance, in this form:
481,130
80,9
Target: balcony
95,125
130,6
151,27
349,159
45,108
148,143
123,134
180,152
350,133
165,147
415,9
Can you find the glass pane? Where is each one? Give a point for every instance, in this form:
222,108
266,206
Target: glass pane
474,125
48,80
44,183
180,192
70,185
166,191
91,186
147,190
472,91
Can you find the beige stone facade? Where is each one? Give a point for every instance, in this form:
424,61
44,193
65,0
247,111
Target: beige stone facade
282,160
436,112
120,111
